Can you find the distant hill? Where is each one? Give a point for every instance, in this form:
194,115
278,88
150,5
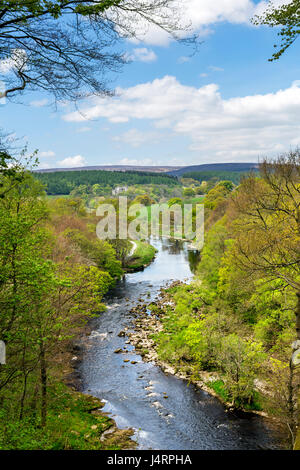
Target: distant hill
151,169
170,170
212,167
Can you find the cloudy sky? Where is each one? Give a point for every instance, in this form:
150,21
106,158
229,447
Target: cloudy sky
225,103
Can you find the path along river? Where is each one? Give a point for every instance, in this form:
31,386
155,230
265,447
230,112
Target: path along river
133,393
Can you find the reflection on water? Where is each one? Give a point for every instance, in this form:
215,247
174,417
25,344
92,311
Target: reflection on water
173,247
194,257
171,263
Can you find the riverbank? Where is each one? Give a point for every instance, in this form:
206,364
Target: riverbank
142,256
92,429
75,421
148,325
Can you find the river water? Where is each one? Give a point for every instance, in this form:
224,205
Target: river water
189,419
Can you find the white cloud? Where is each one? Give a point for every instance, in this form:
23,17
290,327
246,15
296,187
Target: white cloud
142,162
72,162
199,15
136,138
262,6
205,13
83,129
44,166
183,59
39,103
151,162
215,69
16,60
221,129
143,54
5,66
46,154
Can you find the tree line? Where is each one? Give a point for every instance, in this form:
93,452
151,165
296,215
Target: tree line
63,182
216,175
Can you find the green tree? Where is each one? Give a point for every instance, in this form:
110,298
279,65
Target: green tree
287,17
217,194
188,192
268,224
175,200
267,232
241,361
99,251
22,241
69,297
143,199
66,47
40,302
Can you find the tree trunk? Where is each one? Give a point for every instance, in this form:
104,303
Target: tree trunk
297,313
292,424
292,389
44,386
23,396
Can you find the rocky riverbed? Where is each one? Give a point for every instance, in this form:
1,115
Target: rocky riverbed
120,366
148,323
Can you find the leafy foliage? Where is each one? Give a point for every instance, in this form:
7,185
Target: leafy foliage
216,175
286,16
71,47
237,320
63,182
54,274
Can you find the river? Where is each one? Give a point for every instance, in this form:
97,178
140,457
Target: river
190,419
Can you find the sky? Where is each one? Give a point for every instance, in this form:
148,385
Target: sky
225,103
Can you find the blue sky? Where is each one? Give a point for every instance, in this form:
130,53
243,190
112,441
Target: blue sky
226,103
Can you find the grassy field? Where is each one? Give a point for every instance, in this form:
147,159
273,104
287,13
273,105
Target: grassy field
195,200
143,255
56,196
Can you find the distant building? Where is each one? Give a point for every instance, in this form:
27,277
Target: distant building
119,189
